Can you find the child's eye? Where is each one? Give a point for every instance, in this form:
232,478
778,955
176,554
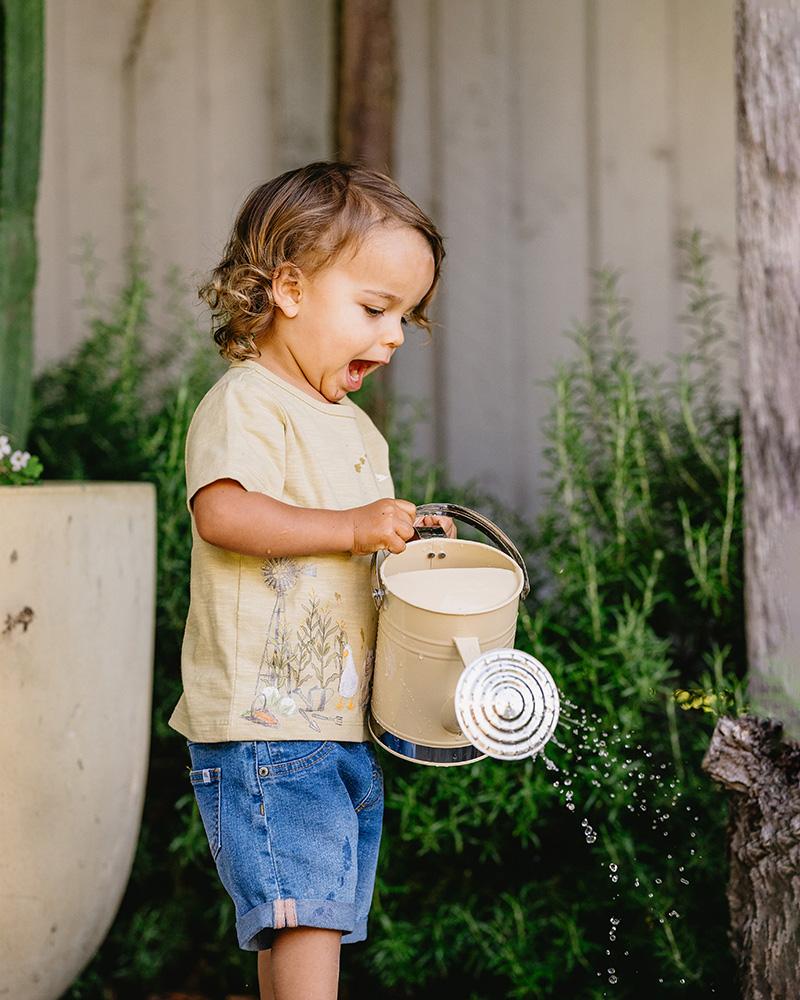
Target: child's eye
404,321
373,312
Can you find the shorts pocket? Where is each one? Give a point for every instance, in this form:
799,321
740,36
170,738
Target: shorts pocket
207,786
287,756
375,791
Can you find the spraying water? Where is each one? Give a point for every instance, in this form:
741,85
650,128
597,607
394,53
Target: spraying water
621,770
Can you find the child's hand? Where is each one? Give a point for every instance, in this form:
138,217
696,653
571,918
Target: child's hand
384,524
447,524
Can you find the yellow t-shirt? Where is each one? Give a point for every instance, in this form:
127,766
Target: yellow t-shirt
279,648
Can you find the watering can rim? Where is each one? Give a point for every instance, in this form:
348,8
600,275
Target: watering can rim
476,520
516,595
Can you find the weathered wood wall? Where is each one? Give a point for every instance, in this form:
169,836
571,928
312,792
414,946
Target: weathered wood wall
546,137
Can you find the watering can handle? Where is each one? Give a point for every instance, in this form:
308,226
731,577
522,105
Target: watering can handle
489,528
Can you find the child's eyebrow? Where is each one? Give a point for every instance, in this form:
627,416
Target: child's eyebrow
383,295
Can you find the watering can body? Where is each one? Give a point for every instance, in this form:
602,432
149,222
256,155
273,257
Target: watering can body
448,686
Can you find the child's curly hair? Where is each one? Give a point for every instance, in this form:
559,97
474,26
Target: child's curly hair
305,217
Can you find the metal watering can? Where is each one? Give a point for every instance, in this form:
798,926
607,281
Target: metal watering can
448,686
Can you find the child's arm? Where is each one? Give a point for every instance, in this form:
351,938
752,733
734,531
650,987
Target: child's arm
253,524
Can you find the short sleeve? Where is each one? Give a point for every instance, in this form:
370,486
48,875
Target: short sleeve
236,433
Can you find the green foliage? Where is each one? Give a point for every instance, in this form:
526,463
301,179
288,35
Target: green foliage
495,879
21,88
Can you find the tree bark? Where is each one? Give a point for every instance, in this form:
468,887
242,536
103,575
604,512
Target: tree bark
768,206
747,757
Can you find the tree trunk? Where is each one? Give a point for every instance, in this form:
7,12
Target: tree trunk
365,93
768,204
746,755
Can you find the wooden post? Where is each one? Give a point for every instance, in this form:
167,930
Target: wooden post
365,95
365,83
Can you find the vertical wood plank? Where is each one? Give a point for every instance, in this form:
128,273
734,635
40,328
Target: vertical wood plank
551,231
636,162
476,216
416,147
705,104
235,114
302,54
203,122
81,188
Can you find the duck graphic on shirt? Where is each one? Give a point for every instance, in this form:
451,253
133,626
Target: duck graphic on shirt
348,682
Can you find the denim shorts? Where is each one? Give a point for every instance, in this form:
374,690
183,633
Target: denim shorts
294,828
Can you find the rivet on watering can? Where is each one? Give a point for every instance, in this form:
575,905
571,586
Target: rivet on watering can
431,555
442,555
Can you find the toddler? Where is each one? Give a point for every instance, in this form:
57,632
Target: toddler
290,493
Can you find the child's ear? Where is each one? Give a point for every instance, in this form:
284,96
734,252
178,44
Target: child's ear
287,289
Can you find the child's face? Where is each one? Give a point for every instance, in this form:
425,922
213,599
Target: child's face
333,328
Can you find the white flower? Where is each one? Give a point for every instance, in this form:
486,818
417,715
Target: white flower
19,460
5,447
286,706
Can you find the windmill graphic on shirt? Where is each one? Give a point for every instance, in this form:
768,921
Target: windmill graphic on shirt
281,576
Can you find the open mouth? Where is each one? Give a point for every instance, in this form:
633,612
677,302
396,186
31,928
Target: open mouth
357,371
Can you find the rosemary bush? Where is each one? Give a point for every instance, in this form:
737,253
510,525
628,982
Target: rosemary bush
495,879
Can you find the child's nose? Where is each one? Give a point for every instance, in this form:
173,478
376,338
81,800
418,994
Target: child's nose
395,338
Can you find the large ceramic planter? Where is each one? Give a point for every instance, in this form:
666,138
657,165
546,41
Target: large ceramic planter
77,601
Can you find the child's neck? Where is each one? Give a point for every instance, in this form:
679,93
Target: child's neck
278,359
